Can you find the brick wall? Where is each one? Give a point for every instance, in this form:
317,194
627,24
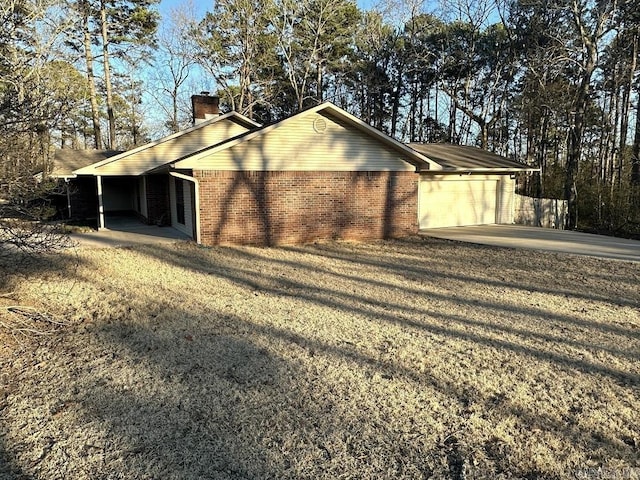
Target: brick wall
84,198
158,210
268,208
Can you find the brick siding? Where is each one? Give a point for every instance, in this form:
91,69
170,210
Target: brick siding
158,209
268,208
84,198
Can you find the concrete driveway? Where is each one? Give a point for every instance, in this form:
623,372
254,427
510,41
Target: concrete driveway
547,239
126,231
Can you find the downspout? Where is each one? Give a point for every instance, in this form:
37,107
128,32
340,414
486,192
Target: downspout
196,193
101,225
66,181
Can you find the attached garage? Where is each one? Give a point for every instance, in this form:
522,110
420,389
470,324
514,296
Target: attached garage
474,187
458,200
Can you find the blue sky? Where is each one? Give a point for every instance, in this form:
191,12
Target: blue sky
202,6
199,6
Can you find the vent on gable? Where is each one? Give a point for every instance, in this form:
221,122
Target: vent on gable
320,125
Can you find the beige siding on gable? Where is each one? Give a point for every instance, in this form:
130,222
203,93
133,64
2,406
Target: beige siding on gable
174,149
313,142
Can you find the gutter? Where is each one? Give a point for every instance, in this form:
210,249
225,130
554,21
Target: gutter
488,171
197,199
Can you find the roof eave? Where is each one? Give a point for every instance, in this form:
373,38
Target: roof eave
160,169
64,176
90,170
241,119
486,170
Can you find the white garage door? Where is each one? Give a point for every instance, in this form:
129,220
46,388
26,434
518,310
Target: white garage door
457,202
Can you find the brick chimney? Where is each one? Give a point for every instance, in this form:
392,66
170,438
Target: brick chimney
205,106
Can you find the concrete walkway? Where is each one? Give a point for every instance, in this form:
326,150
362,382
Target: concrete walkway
127,231
547,239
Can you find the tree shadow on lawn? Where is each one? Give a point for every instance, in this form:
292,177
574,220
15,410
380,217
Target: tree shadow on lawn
534,312
224,407
361,304
189,391
17,266
207,400
561,262
455,328
197,406
9,468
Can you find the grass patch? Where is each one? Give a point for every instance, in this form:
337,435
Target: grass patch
406,359
75,226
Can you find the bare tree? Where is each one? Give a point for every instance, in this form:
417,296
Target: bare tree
29,32
310,35
591,26
176,61
235,46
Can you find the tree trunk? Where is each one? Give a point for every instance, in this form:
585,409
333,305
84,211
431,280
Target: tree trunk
635,159
484,136
421,123
175,127
395,109
107,75
412,112
319,93
134,123
635,152
452,122
93,97
574,153
576,131
436,112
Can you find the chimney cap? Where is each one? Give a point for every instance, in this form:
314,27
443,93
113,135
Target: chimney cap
204,92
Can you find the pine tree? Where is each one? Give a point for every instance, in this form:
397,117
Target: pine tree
235,44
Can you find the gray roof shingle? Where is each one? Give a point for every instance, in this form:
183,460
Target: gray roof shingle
465,158
66,160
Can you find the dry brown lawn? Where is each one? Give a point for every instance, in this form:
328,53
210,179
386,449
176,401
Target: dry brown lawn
404,359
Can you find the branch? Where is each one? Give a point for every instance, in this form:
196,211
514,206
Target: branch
26,321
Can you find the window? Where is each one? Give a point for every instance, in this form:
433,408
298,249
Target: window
179,201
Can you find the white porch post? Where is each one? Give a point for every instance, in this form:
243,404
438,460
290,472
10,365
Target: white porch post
100,204
66,182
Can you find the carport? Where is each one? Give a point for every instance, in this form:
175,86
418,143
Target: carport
119,196
128,230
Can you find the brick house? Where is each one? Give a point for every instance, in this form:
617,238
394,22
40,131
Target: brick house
321,173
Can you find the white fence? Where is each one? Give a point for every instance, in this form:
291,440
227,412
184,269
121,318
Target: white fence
540,212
